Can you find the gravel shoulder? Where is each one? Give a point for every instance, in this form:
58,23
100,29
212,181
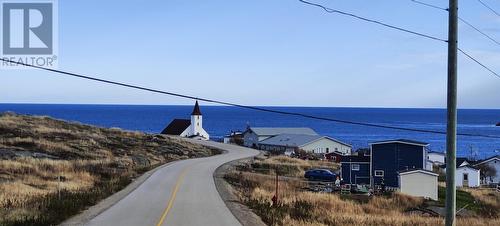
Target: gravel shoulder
244,214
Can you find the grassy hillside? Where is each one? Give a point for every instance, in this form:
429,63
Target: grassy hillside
255,186
52,169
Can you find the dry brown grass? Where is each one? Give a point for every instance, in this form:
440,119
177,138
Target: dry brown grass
305,164
25,177
485,195
300,207
291,166
92,162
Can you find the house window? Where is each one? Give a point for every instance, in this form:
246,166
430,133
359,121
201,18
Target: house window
466,176
379,173
355,167
334,158
327,150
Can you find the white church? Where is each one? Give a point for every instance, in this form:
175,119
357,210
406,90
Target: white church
188,128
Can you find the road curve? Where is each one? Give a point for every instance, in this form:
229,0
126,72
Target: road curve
182,193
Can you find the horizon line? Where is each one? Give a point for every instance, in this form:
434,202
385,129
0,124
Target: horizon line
220,105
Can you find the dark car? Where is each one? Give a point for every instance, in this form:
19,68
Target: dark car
320,175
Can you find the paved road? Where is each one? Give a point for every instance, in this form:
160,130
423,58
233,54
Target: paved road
182,194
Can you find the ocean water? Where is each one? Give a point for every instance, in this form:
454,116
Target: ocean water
218,121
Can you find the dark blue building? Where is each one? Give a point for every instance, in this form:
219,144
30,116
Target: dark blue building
390,157
355,169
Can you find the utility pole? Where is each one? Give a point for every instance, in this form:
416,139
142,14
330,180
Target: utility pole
275,198
451,128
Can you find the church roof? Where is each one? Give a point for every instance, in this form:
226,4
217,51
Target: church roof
176,127
196,110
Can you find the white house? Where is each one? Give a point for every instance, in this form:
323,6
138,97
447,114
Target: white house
287,143
419,183
188,128
436,158
490,170
460,162
253,135
467,176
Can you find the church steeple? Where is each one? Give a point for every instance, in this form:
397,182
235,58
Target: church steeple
196,110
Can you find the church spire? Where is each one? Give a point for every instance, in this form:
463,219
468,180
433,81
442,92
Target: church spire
196,110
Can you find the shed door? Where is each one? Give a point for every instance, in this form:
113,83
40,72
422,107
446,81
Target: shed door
466,180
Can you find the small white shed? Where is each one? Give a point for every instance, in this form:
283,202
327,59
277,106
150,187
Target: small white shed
467,176
419,183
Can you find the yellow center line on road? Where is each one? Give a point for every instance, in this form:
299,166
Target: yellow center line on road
172,197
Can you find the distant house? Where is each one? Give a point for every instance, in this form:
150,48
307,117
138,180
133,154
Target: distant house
355,169
467,176
188,128
315,144
419,183
254,135
334,156
235,137
490,170
391,156
436,158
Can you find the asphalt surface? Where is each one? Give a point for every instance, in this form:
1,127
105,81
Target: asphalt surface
182,193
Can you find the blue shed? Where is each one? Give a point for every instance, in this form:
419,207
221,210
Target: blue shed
355,169
389,157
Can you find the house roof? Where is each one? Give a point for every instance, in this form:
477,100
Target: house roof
176,127
411,171
295,140
273,131
335,153
497,157
291,140
436,153
234,134
468,166
402,141
355,158
196,109
460,161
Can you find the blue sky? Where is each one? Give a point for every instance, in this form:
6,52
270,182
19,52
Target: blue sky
263,52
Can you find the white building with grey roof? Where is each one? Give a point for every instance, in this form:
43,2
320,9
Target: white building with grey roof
254,135
317,144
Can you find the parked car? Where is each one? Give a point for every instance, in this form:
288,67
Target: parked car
320,175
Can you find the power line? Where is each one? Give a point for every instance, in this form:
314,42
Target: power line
478,62
481,32
430,5
487,6
330,10
461,19
475,28
241,106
